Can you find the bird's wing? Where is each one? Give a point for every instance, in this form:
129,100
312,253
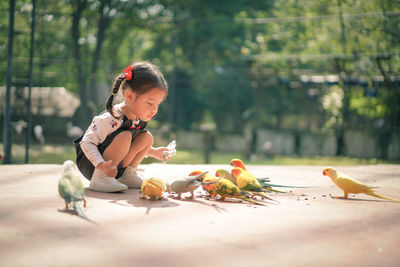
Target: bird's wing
246,183
77,184
65,189
350,185
179,186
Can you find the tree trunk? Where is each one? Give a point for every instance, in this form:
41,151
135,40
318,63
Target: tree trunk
102,25
82,116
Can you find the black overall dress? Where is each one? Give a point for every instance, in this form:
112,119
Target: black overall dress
86,167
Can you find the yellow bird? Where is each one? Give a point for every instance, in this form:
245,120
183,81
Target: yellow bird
246,183
350,185
237,163
153,188
224,188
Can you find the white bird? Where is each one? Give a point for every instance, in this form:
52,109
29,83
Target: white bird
19,126
73,131
38,131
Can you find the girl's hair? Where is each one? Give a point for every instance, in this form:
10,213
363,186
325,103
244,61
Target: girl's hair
143,78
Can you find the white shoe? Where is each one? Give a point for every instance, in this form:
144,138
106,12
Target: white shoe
103,183
131,178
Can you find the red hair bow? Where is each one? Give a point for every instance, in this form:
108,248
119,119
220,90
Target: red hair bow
128,72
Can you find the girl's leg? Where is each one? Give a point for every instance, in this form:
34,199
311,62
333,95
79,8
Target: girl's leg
115,151
138,150
119,148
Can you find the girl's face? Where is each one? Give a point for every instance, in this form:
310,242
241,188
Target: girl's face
144,106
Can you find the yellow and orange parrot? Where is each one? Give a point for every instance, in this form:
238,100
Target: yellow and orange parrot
237,163
206,179
224,188
350,185
264,181
246,183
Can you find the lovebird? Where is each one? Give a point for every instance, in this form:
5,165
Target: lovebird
225,188
237,163
350,185
71,189
186,184
264,181
152,188
209,180
225,174
246,183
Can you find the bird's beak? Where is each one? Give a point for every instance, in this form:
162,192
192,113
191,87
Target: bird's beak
231,164
323,172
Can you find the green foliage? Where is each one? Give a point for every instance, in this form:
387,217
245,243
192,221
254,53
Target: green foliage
57,154
225,57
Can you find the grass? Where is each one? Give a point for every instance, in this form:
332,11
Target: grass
57,154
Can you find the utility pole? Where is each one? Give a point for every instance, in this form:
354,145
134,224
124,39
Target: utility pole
29,129
172,89
7,112
341,67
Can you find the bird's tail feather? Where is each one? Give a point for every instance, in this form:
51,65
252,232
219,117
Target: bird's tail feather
263,194
372,193
263,179
249,200
271,189
79,211
280,185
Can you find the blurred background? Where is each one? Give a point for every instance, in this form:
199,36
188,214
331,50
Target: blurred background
272,82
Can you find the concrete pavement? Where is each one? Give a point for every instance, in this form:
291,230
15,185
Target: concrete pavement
308,228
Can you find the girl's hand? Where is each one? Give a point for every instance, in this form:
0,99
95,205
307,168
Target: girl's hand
157,152
109,169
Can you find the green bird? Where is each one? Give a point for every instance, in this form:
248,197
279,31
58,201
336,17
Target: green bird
225,174
264,181
71,189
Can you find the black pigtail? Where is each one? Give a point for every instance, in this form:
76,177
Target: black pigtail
109,103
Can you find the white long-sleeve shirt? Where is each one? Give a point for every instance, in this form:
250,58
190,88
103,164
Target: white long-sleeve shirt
102,126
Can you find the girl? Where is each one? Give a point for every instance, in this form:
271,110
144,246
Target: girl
113,146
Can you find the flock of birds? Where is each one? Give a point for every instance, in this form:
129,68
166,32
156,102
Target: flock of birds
238,183
71,130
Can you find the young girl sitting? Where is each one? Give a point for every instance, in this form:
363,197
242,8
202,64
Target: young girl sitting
116,142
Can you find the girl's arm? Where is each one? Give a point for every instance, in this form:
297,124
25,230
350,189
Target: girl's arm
157,152
97,132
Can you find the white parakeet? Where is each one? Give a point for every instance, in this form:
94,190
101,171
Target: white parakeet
186,184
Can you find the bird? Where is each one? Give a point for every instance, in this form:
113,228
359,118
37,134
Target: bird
38,131
185,184
152,188
224,188
350,185
73,131
225,174
238,163
71,189
19,126
246,183
263,181
207,186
